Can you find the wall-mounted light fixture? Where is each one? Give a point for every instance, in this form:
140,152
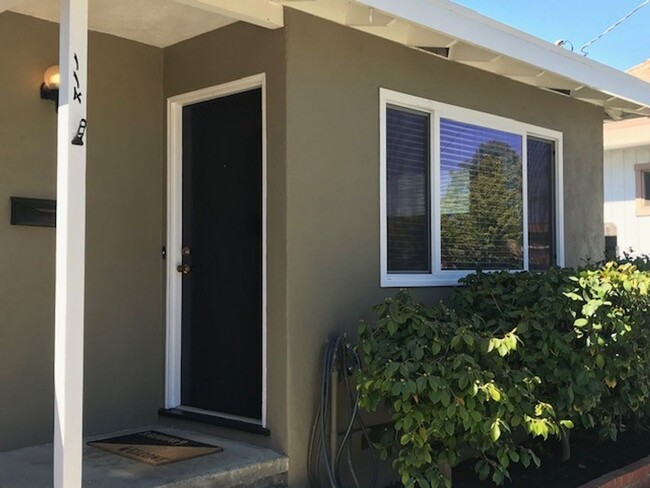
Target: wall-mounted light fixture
50,86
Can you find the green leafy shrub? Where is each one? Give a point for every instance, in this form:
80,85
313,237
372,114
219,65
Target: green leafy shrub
584,332
512,352
536,305
613,326
451,390
640,261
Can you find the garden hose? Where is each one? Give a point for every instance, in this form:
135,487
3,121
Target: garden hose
340,361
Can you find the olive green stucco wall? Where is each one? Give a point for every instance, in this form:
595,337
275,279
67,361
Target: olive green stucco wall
124,321
125,324
323,84
333,79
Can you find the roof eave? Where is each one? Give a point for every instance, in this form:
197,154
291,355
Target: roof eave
450,19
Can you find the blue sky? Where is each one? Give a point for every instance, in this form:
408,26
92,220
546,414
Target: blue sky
578,21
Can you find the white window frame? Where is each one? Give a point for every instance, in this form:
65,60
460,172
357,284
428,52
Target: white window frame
436,111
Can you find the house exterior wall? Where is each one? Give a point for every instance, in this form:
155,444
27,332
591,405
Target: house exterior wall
334,75
632,231
323,84
124,299
627,144
228,54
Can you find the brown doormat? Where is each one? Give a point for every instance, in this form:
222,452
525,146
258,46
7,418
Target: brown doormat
154,448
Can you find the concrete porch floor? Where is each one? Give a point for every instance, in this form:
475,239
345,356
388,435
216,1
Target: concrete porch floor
239,465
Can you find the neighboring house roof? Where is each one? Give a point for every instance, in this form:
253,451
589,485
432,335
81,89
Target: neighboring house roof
641,71
629,133
439,27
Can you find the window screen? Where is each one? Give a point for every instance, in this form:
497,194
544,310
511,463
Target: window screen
646,185
407,191
541,206
481,207
642,193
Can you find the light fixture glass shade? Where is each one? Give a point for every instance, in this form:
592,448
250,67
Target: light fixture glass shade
52,78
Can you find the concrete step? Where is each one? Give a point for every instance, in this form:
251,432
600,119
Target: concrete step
239,465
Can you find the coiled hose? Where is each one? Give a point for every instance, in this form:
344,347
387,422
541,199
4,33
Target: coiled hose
341,359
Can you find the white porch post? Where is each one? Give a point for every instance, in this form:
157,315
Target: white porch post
70,246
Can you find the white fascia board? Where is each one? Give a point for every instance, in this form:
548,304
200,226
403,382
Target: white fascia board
469,26
258,12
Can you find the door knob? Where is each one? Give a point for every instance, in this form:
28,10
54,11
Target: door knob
184,268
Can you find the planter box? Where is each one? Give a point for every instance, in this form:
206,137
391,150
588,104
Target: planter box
635,475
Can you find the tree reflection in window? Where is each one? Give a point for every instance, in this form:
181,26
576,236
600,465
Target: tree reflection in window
481,197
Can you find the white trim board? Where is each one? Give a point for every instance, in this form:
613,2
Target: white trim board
436,110
175,225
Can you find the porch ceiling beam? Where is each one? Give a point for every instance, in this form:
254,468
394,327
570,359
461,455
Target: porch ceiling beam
257,12
622,104
395,31
70,246
462,53
360,16
614,114
419,37
508,67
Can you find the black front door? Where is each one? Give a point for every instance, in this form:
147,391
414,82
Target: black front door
221,366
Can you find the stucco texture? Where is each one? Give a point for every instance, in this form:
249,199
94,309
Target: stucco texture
333,79
124,379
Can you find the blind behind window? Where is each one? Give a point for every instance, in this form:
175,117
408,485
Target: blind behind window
481,207
541,206
408,191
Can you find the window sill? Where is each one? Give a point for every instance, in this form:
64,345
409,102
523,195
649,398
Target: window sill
419,282
445,279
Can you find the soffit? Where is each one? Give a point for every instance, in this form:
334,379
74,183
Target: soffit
158,23
444,28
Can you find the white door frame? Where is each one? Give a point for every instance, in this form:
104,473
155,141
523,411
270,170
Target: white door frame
175,227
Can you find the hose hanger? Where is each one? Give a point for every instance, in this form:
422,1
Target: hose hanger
326,453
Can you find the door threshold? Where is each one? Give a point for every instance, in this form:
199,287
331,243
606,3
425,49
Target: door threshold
215,419
215,413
